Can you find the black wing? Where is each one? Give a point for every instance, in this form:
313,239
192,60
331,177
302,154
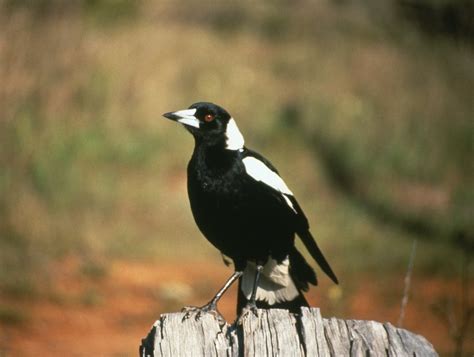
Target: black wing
301,222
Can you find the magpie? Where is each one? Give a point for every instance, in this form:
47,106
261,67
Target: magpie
244,208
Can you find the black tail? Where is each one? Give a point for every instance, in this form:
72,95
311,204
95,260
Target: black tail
316,253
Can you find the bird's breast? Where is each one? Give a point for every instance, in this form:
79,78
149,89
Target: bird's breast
214,190
224,180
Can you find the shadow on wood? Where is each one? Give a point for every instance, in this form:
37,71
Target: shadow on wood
280,333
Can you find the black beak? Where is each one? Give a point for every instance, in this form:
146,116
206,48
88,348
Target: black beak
171,115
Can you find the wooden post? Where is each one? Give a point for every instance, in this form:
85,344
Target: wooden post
279,333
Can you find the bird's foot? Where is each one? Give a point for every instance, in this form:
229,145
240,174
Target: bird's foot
197,312
251,307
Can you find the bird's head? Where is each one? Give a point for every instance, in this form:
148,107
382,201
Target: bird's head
210,125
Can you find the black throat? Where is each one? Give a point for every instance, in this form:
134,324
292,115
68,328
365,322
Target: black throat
214,159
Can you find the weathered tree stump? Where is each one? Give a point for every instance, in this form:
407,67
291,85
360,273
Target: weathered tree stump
280,333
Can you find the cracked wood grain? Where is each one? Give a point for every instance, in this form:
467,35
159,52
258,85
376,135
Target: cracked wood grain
280,333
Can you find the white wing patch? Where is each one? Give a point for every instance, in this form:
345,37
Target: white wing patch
275,284
260,172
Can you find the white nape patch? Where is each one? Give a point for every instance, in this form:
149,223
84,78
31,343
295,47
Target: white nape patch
275,284
260,172
187,117
235,139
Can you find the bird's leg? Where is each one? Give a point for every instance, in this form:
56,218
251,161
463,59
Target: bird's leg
228,283
252,304
211,306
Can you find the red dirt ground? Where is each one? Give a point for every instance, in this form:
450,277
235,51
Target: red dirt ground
108,316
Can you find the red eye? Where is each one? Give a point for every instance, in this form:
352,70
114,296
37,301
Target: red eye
208,117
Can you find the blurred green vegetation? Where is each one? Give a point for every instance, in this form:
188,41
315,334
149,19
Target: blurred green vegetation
367,115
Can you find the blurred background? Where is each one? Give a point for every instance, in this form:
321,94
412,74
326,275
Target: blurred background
366,108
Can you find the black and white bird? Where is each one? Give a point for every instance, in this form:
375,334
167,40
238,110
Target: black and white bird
244,208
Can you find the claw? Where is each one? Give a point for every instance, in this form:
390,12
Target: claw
198,315
198,312
188,310
252,307
249,308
